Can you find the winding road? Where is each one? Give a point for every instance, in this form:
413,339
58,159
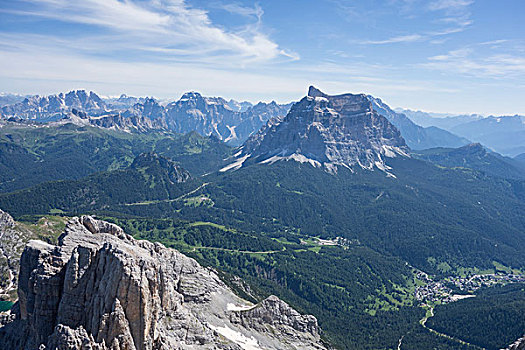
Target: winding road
423,322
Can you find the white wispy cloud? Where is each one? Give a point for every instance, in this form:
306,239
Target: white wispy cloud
238,9
455,18
472,62
166,26
396,39
455,5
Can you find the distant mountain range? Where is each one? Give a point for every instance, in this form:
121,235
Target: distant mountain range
230,121
55,107
8,99
520,158
418,137
446,122
234,122
503,134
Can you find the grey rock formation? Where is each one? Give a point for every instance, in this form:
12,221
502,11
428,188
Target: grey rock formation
214,116
273,314
54,107
231,122
13,238
327,131
101,289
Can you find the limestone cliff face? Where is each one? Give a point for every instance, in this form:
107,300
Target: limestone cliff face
101,289
13,238
326,131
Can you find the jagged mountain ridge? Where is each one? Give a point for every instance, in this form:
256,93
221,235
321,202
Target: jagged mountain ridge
101,289
229,121
326,131
503,134
55,107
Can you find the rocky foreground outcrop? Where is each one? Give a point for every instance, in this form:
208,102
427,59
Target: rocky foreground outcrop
101,289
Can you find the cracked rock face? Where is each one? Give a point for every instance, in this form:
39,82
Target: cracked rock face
12,241
273,313
101,289
327,131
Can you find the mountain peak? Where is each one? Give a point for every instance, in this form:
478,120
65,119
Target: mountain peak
315,92
191,95
327,131
475,145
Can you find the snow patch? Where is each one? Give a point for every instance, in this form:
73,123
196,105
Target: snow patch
296,157
233,307
233,134
236,165
392,152
237,337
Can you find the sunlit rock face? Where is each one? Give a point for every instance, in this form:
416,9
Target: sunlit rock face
101,289
327,131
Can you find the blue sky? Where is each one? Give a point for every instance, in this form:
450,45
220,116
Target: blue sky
462,56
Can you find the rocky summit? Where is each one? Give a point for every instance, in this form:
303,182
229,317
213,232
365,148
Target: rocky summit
232,122
54,107
101,289
329,132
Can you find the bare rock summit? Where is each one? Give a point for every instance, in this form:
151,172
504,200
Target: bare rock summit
327,132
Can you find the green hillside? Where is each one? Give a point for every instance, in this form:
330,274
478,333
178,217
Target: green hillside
31,155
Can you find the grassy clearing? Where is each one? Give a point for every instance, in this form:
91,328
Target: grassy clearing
47,228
